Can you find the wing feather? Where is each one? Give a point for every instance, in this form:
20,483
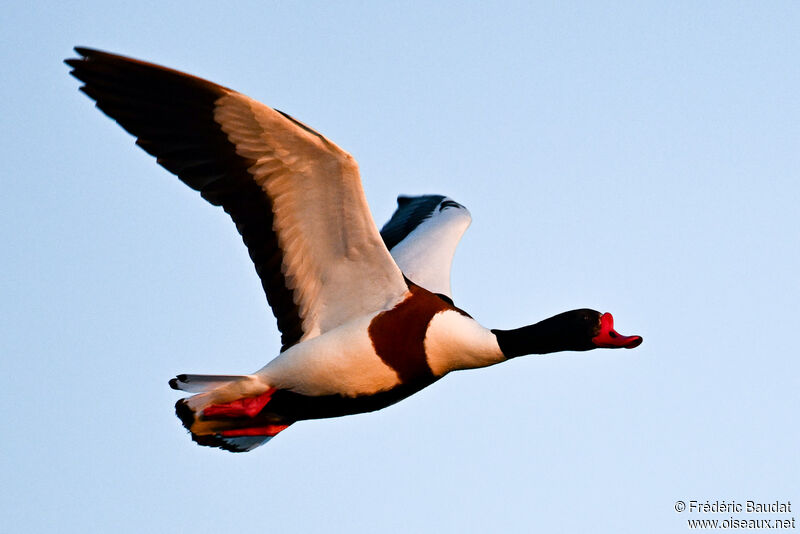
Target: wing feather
422,235
295,197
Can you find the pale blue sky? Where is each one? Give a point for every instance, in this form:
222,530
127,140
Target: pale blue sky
640,158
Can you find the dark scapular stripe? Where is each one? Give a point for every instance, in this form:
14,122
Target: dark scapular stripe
172,116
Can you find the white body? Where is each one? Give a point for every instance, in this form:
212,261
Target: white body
343,361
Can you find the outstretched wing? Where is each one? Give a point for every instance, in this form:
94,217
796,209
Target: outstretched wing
296,198
422,236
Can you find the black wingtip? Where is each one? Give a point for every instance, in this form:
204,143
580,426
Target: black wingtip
410,212
403,200
85,51
173,383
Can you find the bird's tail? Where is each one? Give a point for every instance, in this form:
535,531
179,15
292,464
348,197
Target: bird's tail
201,383
230,411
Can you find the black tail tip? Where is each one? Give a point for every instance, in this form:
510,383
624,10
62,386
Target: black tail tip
184,413
216,441
173,383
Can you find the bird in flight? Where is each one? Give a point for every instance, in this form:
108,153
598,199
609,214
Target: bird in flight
366,318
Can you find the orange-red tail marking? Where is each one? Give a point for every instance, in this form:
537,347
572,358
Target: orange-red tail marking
268,430
247,407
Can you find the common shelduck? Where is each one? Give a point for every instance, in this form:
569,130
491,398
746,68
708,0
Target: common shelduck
360,329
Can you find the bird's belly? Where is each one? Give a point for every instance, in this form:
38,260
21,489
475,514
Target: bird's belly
292,406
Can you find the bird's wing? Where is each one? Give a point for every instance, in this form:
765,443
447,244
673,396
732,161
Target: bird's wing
422,236
296,198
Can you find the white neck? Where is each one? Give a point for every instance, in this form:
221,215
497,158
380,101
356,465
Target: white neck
455,341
